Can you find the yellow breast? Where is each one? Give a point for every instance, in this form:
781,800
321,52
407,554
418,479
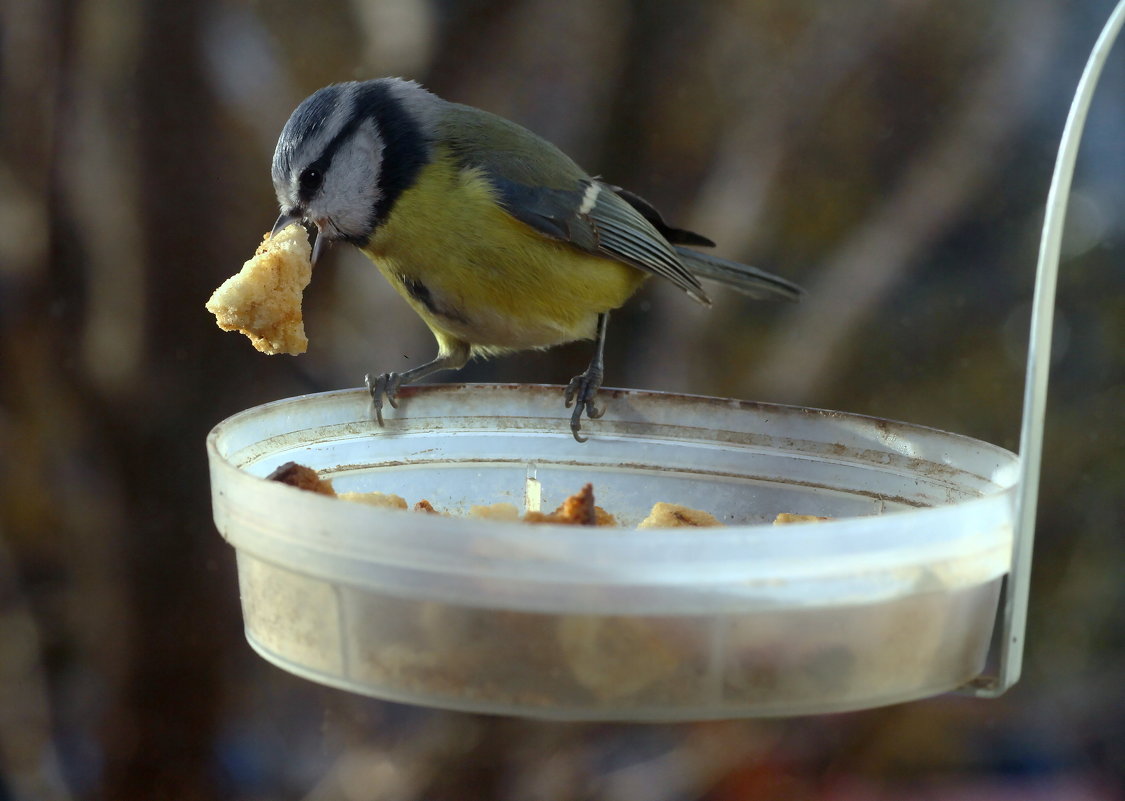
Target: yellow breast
477,275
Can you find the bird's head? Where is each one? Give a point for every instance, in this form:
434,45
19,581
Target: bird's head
329,164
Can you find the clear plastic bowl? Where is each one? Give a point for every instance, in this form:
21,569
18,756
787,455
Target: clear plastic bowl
893,599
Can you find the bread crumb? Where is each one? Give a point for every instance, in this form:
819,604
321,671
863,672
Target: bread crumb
578,509
787,517
386,500
603,518
673,515
301,477
495,511
263,300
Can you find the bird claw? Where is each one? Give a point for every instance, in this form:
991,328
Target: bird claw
385,386
581,392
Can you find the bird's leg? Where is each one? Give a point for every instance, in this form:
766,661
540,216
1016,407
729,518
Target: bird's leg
583,389
387,385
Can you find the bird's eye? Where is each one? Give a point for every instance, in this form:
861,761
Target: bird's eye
310,181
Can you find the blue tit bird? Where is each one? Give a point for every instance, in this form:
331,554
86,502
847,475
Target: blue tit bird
495,237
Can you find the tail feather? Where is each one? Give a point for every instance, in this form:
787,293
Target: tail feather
742,277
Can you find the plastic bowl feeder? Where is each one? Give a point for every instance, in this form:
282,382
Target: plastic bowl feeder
893,599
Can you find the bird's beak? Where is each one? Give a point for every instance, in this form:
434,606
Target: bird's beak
320,242
286,218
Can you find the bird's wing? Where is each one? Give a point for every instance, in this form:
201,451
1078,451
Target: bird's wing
539,185
676,236
595,218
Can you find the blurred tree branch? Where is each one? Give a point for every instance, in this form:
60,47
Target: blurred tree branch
810,349
29,762
765,114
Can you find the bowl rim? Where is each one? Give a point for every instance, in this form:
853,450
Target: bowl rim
437,545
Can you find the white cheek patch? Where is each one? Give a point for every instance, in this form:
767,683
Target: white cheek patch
351,186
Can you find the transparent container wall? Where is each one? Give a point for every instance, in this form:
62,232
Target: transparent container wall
637,667
893,599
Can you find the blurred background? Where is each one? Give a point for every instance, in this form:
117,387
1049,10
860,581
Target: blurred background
893,156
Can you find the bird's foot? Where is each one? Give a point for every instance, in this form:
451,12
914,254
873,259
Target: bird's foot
581,393
385,386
